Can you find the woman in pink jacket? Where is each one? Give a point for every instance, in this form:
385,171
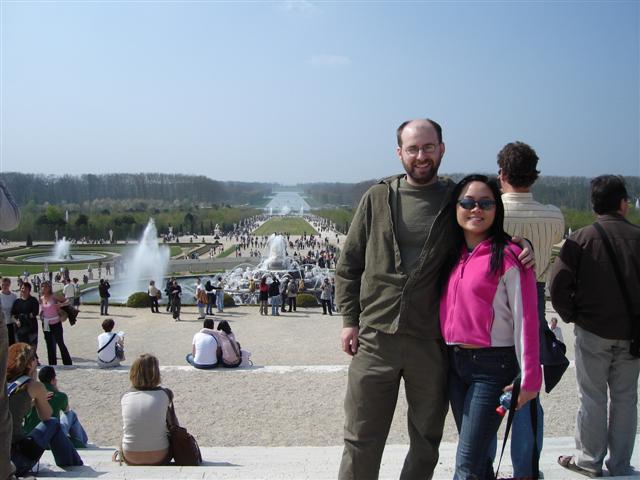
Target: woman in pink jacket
488,319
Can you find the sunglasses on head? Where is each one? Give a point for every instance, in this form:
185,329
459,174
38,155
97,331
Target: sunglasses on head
470,204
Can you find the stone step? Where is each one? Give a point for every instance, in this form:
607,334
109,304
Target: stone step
290,463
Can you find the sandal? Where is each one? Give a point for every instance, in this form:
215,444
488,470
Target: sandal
568,462
117,457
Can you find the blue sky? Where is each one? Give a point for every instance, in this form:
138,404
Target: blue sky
313,91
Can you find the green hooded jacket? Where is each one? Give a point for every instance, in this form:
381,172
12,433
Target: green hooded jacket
372,289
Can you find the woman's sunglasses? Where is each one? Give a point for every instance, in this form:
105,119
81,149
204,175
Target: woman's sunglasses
470,204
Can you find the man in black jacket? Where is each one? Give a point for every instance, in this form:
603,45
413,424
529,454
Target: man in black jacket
585,291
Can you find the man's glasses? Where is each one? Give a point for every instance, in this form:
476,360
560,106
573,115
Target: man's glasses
413,150
470,204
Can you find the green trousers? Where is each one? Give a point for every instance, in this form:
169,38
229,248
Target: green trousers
372,392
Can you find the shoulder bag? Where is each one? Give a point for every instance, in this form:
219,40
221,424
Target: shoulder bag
634,347
184,448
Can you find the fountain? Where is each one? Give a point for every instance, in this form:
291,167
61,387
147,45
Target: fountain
61,249
275,261
147,261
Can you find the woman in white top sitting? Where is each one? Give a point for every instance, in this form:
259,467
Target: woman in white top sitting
110,346
145,438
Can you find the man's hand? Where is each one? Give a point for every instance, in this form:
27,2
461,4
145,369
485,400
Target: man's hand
527,256
349,340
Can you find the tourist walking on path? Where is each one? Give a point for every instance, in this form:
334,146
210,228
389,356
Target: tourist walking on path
211,297
491,332
594,284
264,296
176,300
388,295
25,311
274,295
292,294
103,290
201,298
543,226
7,297
325,296
50,305
154,294
220,294
9,219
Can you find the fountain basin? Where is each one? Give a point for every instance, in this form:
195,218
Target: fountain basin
74,257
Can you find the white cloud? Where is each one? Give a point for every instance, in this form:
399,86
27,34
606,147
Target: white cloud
329,61
298,6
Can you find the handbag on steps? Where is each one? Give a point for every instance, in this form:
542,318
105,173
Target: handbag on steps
184,448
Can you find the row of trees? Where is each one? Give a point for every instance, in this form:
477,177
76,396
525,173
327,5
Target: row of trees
78,189
41,222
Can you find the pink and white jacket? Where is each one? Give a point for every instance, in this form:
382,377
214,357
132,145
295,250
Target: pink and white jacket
501,310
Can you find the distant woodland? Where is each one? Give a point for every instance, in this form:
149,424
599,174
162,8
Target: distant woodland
90,205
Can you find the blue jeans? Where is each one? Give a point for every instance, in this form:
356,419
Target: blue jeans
48,433
521,429
191,361
522,439
72,427
275,303
104,305
476,380
220,300
211,297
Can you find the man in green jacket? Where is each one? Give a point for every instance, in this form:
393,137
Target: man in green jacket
387,290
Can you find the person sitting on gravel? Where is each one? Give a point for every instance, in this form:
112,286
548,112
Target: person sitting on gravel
229,353
145,438
204,348
24,391
110,346
60,409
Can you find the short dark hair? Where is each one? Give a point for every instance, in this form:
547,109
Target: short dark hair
607,191
208,323
435,124
108,324
518,162
27,285
46,374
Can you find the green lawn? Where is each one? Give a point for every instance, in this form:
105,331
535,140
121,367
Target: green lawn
291,225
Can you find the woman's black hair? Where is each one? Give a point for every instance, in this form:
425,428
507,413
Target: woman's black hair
496,231
224,326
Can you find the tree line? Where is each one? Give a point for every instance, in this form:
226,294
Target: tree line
77,189
564,192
